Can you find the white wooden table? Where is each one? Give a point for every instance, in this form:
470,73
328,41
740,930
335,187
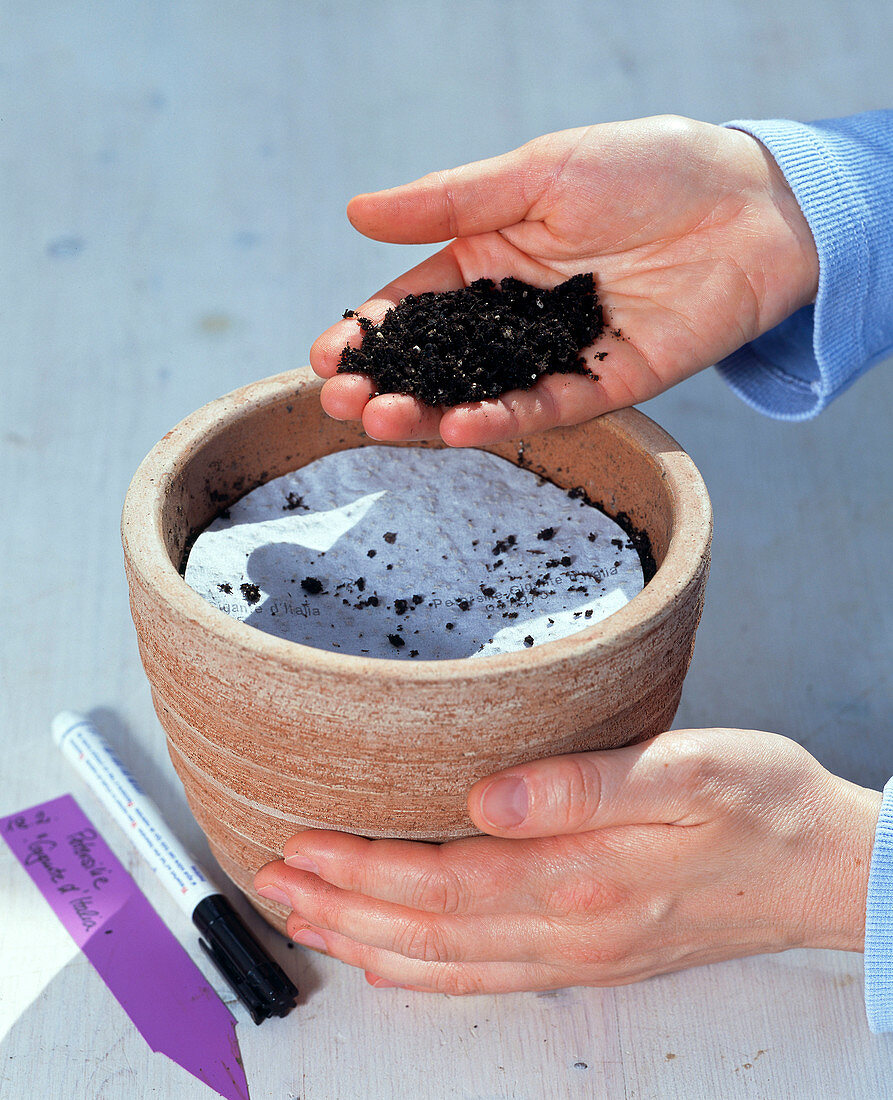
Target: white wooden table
172,188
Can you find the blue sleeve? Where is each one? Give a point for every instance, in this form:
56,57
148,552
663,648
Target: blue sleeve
841,173
879,922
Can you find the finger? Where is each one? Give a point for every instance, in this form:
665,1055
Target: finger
413,934
555,400
475,875
475,198
397,416
661,781
346,395
438,272
392,416
456,979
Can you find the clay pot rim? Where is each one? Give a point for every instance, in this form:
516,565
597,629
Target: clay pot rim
147,555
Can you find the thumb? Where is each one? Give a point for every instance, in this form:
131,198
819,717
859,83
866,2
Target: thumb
641,784
477,198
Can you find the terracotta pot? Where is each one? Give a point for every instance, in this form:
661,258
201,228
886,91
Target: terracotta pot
270,736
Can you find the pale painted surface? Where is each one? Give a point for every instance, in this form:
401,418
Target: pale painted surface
171,208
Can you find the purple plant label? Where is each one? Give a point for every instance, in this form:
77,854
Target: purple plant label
70,863
136,955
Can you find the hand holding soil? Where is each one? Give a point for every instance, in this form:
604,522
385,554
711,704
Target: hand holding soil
601,868
695,239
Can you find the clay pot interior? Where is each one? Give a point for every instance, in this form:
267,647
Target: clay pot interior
620,477
270,736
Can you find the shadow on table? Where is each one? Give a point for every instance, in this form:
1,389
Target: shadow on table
74,1039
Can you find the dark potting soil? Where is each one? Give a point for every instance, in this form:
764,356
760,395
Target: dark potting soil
250,592
476,343
638,537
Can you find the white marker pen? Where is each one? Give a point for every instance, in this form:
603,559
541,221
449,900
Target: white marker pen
260,984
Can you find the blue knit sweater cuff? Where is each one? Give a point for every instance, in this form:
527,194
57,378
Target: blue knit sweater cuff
841,173
879,922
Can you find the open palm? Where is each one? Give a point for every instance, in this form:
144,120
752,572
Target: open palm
696,241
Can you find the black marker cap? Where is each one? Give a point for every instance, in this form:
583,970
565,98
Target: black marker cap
259,983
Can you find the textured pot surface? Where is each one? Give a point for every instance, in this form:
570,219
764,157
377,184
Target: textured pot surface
270,736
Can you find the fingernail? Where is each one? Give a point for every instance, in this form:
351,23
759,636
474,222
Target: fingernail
309,938
504,803
380,983
302,863
273,893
